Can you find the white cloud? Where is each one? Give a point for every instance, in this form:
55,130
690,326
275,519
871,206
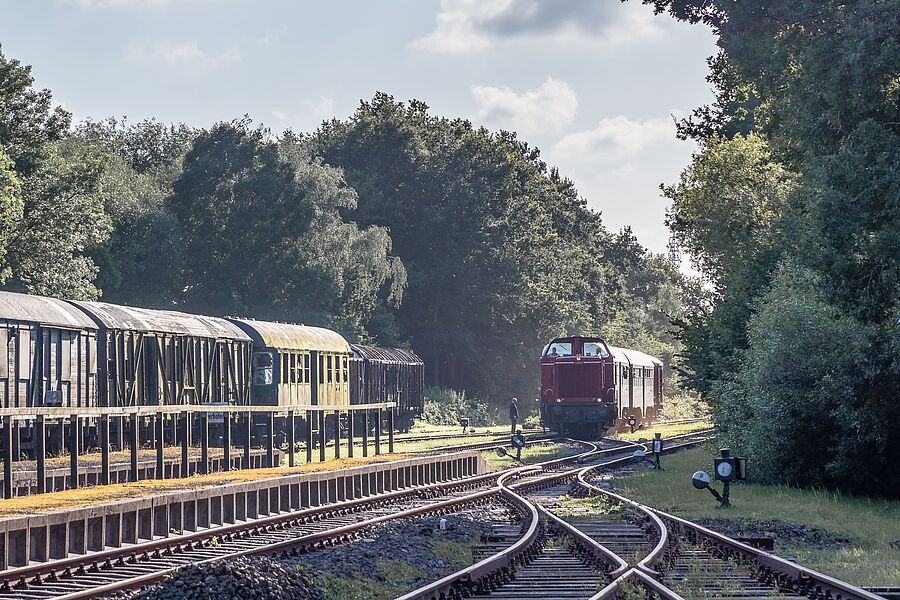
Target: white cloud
617,137
119,3
186,52
309,115
548,108
464,26
272,37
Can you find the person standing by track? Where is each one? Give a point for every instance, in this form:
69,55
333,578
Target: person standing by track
513,414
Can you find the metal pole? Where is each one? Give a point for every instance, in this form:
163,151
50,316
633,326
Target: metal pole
270,439
292,437
377,431
40,451
204,443
350,433
365,446
226,441
248,426
7,457
135,446
337,434
390,431
74,431
309,437
185,443
160,447
104,449
321,416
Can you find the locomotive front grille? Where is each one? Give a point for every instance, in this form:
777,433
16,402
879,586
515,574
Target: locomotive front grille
580,380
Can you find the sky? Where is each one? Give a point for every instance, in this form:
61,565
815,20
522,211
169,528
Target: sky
595,84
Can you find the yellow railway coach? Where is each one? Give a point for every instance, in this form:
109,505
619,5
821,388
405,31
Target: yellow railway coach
296,365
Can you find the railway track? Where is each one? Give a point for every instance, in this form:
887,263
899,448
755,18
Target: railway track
139,565
597,555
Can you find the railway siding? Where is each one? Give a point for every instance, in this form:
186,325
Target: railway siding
37,538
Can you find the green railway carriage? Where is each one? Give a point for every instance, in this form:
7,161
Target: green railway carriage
48,353
164,357
297,365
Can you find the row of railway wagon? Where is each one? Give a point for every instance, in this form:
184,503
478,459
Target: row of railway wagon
83,354
589,387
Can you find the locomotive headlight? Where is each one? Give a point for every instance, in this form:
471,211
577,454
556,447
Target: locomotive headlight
558,400
599,400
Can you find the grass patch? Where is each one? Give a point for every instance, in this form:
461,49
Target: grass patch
530,455
664,430
870,524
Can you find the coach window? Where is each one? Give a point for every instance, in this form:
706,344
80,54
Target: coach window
306,376
262,368
345,370
329,376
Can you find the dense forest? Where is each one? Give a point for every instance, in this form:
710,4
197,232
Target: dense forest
790,211
401,227
393,226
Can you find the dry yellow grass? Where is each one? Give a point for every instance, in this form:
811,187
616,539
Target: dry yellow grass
104,494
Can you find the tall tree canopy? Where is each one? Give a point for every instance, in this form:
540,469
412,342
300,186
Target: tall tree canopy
264,236
52,227
808,110
502,252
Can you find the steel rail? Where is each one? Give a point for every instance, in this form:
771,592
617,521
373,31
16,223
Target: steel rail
616,563
179,544
772,569
490,570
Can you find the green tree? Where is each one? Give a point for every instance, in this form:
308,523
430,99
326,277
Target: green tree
817,80
62,220
141,162
28,123
10,209
262,235
502,252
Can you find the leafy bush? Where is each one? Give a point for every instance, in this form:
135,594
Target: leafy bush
445,407
802,405
683,406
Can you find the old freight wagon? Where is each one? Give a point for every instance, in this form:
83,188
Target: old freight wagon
388,375
48,353
156,357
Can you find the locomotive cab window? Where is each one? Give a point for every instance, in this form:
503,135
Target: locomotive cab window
559,349
594,349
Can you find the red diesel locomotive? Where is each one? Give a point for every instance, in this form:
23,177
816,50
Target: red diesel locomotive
587,386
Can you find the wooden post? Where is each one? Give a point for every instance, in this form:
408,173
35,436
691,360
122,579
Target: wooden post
104,449
204,443
160,446
309,437
377,431
40,451
270,439
135,446
365,414
185,443
292,437
350,433
74,444
226,441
